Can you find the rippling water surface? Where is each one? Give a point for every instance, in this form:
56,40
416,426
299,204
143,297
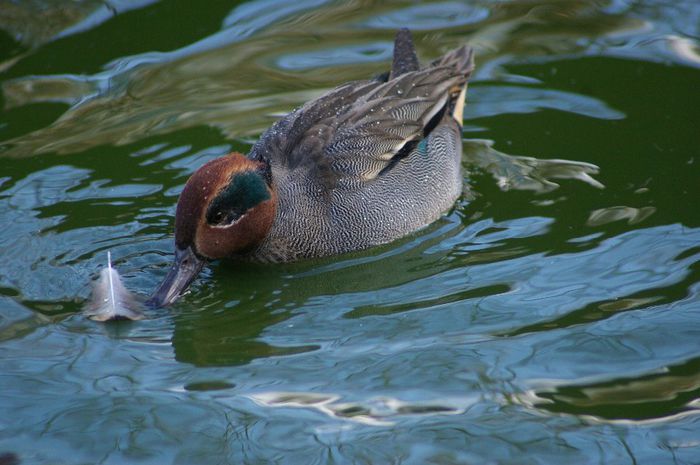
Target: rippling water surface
553,316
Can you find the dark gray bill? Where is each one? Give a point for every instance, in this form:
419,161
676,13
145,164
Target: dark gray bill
186,267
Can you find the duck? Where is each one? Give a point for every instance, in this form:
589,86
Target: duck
364,164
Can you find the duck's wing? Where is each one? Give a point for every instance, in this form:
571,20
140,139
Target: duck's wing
297,141
360,129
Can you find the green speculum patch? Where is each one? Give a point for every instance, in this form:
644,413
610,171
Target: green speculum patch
244,191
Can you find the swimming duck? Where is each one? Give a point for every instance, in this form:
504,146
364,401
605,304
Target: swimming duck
364,164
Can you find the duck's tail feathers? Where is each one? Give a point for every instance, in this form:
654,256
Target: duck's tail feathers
462,60
405,58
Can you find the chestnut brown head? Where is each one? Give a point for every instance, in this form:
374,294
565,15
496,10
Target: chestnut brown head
226,209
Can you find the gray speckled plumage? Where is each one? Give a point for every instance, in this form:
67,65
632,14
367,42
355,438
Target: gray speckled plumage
367,162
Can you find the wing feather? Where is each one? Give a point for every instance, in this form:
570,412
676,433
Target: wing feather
356,130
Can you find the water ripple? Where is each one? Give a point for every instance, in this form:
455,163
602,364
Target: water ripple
542,319
438,15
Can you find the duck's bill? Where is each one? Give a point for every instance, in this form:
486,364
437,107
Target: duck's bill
186,267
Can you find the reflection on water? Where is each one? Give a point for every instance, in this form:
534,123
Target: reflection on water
376,412
550,316
527,173
209,82
35,23
673,392
608,215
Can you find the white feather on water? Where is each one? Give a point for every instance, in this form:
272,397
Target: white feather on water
110,299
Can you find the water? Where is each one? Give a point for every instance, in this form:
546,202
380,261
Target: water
545,319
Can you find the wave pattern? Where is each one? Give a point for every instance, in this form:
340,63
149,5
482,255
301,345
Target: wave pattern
549,317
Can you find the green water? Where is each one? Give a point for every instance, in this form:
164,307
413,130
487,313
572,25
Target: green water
544,320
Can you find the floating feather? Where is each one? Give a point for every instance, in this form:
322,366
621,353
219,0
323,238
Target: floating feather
110,299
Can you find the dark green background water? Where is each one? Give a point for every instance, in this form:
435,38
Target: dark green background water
543,320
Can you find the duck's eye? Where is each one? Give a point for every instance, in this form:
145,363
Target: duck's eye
220,217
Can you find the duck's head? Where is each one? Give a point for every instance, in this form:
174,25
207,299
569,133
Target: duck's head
226,209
